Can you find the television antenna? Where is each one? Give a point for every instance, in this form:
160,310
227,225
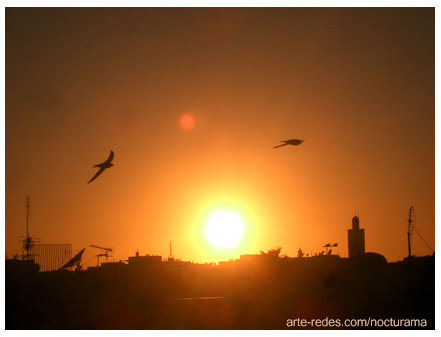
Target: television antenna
170,256
412,228
105,254
28,241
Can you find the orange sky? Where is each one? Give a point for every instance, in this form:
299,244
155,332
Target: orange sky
357,84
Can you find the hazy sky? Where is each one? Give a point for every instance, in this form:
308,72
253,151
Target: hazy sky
358,85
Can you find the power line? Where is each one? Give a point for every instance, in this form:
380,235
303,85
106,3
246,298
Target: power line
423,240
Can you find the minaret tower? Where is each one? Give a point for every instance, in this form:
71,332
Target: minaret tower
355,238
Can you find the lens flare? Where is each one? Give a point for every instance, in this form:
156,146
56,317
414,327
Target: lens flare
187,122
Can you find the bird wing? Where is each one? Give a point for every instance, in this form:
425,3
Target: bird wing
97,174
110,157
108,160
275,147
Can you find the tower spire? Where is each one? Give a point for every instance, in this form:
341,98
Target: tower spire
356,243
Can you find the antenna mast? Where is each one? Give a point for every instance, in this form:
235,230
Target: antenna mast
28,213
170,257
105,254
27,241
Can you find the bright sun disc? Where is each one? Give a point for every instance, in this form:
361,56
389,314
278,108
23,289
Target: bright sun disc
224,229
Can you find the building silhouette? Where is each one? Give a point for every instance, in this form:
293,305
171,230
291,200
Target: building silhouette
355,238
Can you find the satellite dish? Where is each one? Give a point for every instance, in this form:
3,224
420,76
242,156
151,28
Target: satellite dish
75,261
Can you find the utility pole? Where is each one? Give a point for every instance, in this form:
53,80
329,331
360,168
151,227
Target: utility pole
409,236
409,232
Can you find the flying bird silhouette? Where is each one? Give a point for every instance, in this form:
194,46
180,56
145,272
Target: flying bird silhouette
290,142
103,166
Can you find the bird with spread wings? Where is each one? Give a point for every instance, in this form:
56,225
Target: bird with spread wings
103,166
290,142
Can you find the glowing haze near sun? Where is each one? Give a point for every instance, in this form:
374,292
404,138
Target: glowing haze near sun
224,229
187,122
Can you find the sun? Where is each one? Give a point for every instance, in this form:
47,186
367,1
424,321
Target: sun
224,229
